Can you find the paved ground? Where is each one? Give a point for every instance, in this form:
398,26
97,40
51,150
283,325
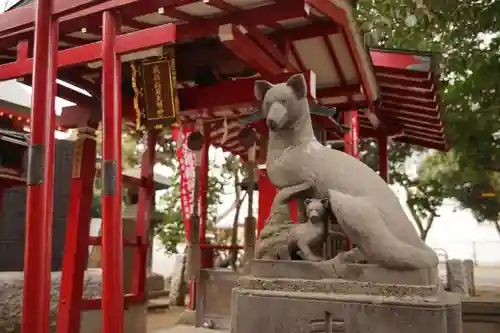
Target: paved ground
487,276
187,329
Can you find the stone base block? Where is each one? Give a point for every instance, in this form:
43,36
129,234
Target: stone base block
325,305
155,282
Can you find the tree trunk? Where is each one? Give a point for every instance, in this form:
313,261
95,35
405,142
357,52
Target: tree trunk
423,226
497,226
234,230
178,284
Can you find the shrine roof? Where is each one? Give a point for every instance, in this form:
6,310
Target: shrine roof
409,103
318,36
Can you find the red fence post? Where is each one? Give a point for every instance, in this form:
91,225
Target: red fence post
144,207
383,157
76,248
40,176
351,138
112,224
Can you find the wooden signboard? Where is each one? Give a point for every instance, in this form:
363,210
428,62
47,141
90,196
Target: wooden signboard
155,89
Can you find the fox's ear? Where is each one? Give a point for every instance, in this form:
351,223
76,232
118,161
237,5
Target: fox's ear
299,85
325,202
260,89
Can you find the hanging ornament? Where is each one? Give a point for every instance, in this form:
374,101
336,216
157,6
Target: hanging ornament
411,21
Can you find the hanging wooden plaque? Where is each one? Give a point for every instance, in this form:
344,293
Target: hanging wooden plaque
155,86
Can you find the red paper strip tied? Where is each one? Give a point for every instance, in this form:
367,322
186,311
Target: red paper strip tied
187,161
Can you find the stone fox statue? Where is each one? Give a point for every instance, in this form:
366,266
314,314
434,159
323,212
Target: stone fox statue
367,210
303,237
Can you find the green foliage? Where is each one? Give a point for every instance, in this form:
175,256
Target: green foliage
171,231
467,35
423,197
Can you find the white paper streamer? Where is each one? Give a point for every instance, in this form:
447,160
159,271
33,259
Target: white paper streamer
252,152
225,132
180,137
199,125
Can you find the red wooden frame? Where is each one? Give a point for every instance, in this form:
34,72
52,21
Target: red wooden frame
112,224
39,202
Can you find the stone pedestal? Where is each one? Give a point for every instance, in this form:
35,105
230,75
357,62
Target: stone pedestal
457,277
293,297
154,282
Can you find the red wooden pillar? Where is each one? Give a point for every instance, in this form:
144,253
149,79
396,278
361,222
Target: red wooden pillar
267,192
207,254
38,244
351,138
351,144
383,156
144,207
112,225
76,248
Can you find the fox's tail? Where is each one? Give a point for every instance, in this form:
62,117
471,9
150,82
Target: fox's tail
363,224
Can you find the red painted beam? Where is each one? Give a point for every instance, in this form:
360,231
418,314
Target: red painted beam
404,101
403,73
410,109
412,118
270,47
239,93
24,17
236,38
313,30
412,61
403,92
338,15
71,95
410,124
387,80
263,15
127,43
87,18
423,135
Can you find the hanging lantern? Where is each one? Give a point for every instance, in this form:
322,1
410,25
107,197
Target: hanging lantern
195,141
155,92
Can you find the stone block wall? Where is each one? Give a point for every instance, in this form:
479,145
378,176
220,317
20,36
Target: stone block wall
12,216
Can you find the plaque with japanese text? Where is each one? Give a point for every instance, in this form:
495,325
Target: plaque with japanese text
155,89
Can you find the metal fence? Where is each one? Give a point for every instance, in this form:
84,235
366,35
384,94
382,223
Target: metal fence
483,253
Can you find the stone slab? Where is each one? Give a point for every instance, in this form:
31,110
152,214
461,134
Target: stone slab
213,304
355,272
457,277
298,312
301,297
